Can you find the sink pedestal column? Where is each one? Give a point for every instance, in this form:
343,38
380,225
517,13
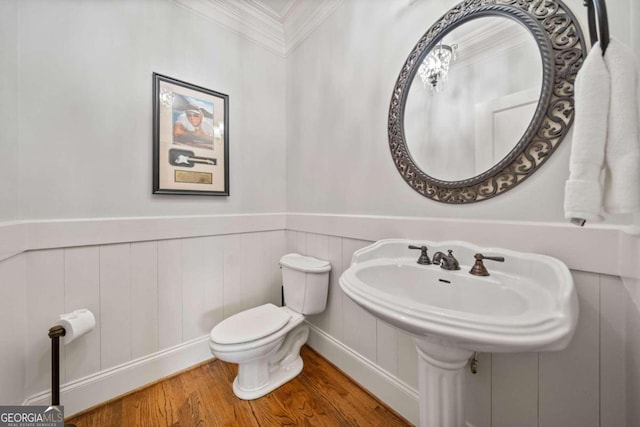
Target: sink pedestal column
441,384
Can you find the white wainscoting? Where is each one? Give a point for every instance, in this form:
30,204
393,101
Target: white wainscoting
99,387
584,385
157,286
147,297
13,352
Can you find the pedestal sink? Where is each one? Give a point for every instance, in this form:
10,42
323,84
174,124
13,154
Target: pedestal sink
527,303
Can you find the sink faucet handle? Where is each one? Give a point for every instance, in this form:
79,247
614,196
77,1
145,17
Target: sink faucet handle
478,268
424,258
450,262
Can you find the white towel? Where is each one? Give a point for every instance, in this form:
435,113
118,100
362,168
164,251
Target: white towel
583,189
622,154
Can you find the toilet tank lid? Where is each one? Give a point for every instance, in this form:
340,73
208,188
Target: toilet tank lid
250,325
305,264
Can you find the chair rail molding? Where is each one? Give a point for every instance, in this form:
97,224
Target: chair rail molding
21,236
617,247
13,239
560,240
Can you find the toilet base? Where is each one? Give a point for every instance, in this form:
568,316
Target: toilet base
263,375
277,377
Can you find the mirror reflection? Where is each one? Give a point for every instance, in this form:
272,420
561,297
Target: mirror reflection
473,97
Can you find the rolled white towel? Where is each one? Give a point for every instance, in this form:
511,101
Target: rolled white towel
622,155
583,189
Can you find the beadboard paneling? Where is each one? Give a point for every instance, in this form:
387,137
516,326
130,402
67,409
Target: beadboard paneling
569,379
330,249
407,360
549,389
13,340
213,283
144,298
233,272
477,392
632,365
242,270
115,304
359,331
514,390
45,302
613,305
277,248
387,347
169,293
194,282
82,290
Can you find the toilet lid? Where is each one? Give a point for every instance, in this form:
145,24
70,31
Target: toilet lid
250,325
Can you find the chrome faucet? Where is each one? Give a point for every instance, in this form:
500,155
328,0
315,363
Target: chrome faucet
447,262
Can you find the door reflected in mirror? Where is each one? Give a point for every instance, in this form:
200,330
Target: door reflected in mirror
463,116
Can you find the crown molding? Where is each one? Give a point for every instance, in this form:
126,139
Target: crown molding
241,18
279,33
303,18
277,15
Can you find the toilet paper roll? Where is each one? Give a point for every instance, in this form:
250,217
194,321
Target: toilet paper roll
76,324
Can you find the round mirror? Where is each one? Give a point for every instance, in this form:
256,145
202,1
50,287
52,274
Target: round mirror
484,98
461,124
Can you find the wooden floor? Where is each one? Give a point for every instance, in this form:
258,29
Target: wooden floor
320,396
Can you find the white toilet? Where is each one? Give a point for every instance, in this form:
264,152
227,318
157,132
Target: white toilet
265,341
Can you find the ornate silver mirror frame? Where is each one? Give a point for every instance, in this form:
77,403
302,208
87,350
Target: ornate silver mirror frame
562,49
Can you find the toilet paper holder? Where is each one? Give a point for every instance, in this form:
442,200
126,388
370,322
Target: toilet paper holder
79,323
55,333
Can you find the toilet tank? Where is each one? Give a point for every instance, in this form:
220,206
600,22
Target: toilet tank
306,283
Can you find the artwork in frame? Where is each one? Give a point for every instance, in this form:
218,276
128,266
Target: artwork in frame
190,139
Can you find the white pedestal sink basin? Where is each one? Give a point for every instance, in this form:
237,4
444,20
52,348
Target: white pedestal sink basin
527,303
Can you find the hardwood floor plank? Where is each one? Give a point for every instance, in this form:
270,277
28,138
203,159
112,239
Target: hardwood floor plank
347,397
321,395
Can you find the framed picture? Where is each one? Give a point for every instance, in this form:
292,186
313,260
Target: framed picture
190,139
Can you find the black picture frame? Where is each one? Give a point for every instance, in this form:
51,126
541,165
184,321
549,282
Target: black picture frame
190,139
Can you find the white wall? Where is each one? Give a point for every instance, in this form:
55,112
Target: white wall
339,84
85,108
9,106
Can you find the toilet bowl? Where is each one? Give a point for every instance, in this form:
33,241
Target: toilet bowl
265,341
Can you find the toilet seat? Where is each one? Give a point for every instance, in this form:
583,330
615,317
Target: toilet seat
250,325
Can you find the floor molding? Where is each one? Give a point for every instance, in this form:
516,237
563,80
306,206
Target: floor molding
113,382
395,393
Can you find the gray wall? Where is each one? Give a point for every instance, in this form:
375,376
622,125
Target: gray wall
9,105
339,85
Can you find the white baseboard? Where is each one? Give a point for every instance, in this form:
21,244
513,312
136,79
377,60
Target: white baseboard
79,395
397,394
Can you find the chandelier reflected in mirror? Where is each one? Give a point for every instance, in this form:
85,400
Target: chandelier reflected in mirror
434,69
